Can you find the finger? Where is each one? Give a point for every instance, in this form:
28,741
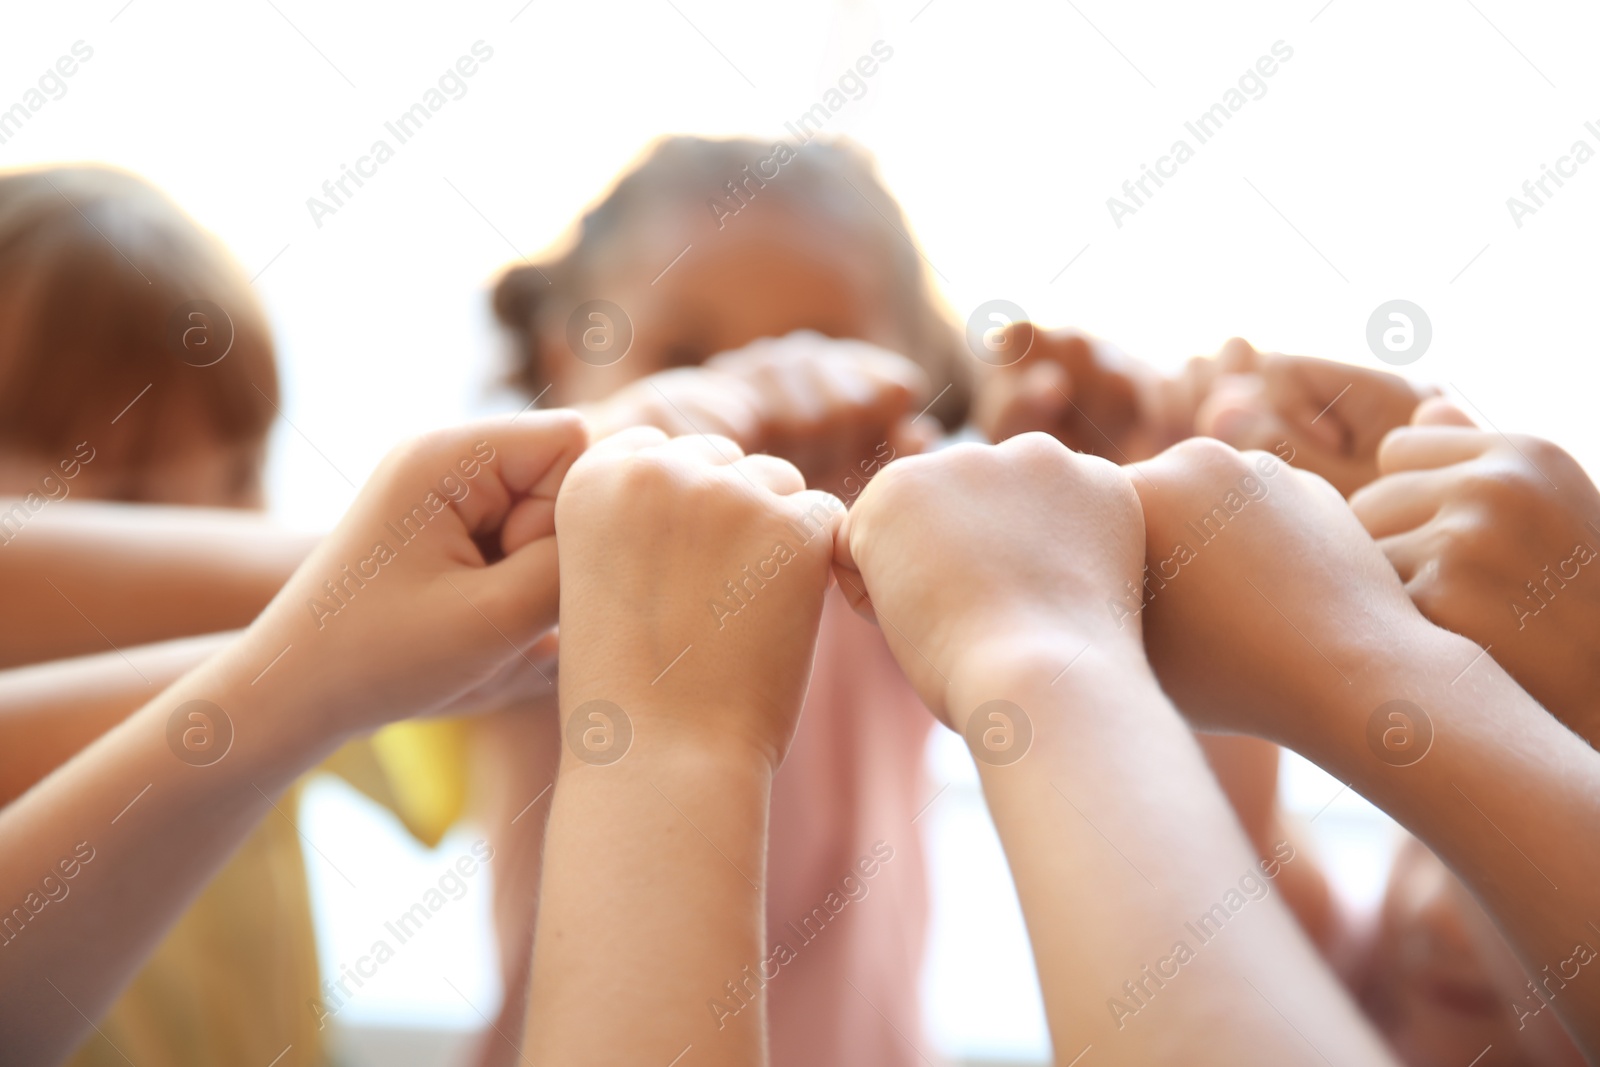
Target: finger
1238,413
737,413
819,513
851,584
1305,393
895,388
720,422
1429,447
777,475
1072,349
794,394
529,519
910,438
1017,341
1238,356
633,439
853,417
710,404
1046,386
709,448
689,400
1409,553
519,595
484,469
1399,502
1437,411
1035,399
894,372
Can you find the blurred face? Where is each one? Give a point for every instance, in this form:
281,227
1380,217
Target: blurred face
765,274
199,473
1444,983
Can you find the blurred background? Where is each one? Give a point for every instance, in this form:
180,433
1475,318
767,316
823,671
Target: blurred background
1375,166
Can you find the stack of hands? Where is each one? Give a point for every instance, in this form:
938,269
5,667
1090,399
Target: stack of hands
1071,600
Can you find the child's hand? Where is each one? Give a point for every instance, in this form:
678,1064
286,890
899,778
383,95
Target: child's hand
693,578
1081,391
980,554
432,587
1496,538
837,409
1322,416
681,401
1262,589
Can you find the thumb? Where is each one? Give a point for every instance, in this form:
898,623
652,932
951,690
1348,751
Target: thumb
519,595
821,509
848,573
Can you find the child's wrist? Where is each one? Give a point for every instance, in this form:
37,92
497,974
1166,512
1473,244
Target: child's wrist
1403,681
226,709
602,733
1042,668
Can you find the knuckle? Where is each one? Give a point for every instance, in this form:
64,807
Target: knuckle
1507,485
418,450
1546,457
1427,592
1035,448
1455,542
1207,455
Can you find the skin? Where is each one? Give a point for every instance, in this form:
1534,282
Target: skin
655,862
836,408
774,333
943,549
1440,982
60,707
1095,399
126,575
446,622
1222,649
1331,416
761,297
831,407
1492,512
770,273
184,561
1089,395
515,752
190,469
1468,518
1327,417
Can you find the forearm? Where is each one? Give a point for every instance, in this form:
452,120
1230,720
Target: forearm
1504,794
514,753
83,578
650,935
101,857
51,711
1150,914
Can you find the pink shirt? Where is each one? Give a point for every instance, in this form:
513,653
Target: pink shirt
847,877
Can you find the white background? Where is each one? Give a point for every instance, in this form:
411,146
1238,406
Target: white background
1376,166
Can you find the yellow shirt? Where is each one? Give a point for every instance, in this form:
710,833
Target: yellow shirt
235,979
